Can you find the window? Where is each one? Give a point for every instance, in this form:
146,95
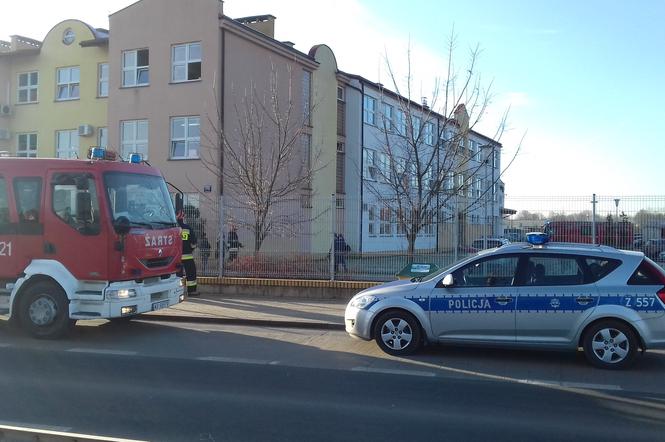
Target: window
306,140
4,207
186,62
646,274
68,83
416,126
401,222
388,116
340,147
307,96
135,68
385,227
479,149
489,272
103,86
370,170
460,184
185,137
134,137
598,268
401,122
384,166
371,221
28,84
27,192
340,173
27,145
340,93
553,270
67,144
369,115
495,162
479,187
75,201
103,137
429,133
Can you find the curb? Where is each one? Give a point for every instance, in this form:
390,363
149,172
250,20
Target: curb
237,321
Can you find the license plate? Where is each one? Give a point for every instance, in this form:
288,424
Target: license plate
160,305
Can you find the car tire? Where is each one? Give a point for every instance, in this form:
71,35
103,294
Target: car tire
44,311
610,345
397,333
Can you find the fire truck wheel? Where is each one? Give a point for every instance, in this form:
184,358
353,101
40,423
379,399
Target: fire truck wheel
44,311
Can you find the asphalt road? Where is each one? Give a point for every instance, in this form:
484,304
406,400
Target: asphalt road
179,382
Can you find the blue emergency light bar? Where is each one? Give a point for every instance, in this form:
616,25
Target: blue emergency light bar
100,153
537,238
135,158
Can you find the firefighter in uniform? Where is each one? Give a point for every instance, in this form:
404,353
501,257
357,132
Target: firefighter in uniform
188,245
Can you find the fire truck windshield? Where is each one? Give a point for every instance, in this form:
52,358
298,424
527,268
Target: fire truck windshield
143,199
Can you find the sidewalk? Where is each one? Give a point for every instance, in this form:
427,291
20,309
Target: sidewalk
255,311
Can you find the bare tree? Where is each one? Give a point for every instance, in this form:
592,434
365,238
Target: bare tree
426,164
268,160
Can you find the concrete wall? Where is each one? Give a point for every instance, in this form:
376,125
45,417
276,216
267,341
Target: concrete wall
48,115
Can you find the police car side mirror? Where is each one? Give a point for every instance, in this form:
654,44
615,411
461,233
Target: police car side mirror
121,225
448,281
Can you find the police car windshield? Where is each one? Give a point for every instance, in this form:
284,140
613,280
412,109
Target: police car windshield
444,270
143,199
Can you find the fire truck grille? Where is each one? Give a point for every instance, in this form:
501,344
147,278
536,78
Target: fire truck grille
157,262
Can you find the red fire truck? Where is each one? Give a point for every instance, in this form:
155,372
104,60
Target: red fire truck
85,239
618,234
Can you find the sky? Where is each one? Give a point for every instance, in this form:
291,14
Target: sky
581,81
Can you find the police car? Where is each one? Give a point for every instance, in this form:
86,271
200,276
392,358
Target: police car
536,294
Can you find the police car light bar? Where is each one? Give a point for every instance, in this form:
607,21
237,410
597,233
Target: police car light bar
99,153
537,238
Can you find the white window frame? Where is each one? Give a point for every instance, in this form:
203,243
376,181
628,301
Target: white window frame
103,137
71,150
103,80
187,139
134,144
370,162
72,87
29,151
385,223
341,95
401,122
371,221
186,62
28,88
429,133
369,114
389,115
134,69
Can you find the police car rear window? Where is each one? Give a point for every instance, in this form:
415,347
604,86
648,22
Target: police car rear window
598,268
646,274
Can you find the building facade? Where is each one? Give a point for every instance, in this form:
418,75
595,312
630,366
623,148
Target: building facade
53,93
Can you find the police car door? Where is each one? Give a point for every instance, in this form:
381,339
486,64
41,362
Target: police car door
553,298
479,306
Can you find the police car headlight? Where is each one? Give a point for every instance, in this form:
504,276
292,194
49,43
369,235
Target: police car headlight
121,293
363,301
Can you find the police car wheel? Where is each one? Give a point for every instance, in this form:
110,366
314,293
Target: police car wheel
44,311
610,345
397,333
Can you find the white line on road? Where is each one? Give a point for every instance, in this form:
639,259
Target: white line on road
237,360
425,374
102,351
33,426
585,385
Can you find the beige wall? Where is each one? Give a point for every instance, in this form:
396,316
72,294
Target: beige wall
157,25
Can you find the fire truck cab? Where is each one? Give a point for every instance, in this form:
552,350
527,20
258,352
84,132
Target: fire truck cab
85,239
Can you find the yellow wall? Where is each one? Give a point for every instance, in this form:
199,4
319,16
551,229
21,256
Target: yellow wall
48,115
324,144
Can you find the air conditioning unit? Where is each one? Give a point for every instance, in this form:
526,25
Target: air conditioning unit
86,130
5,110
5,134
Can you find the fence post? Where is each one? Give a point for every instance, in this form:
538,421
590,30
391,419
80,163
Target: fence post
333,212
221,249
593,220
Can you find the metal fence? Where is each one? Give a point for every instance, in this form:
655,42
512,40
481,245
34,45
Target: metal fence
345,239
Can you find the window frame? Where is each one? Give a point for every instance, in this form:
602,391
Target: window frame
28,88
187,139
70,85
28,150
102,80
369,115
135,141
73,134
186,62
516,273
136,68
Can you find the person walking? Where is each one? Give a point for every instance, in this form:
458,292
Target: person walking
341,249
188,244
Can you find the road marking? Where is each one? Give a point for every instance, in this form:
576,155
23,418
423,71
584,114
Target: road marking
237,360
30,426
585,385
425,374
20,432
102,351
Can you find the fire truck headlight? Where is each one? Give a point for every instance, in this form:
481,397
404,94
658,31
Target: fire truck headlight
121,293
